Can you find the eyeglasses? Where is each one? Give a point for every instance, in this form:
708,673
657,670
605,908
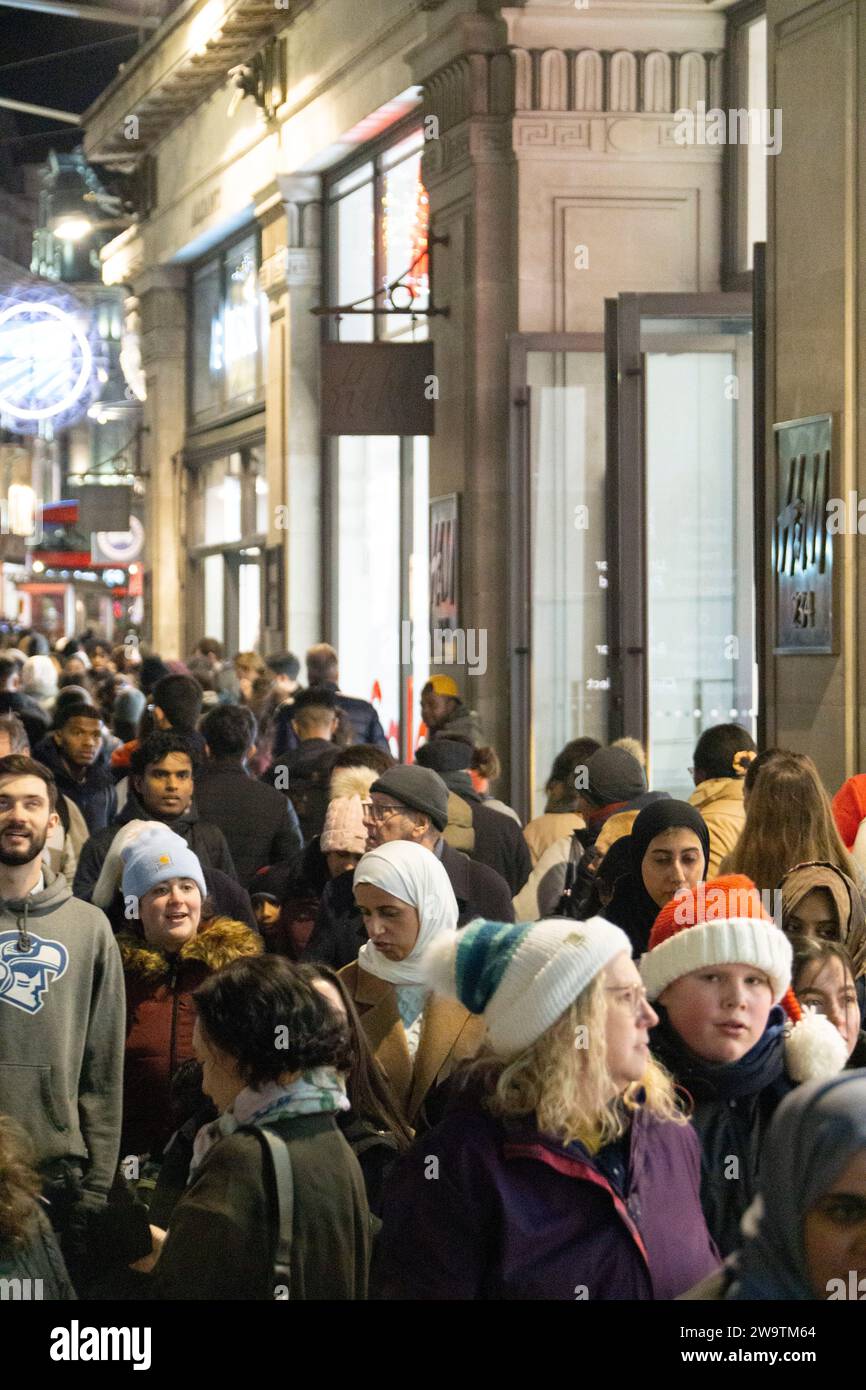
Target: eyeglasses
377,811
634,997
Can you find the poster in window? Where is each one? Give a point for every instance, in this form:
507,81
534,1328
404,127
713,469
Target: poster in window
444,561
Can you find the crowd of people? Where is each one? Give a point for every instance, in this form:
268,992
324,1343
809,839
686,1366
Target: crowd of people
282,1017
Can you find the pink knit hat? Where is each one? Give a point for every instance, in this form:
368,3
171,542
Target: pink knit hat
344,826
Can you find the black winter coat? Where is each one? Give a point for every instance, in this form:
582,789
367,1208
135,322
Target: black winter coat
258,822
499,840
95,797
303,774
362,716
205,840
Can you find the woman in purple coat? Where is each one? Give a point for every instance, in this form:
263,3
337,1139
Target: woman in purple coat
564,1168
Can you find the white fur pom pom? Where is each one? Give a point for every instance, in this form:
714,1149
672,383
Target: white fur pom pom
437,964
814,1048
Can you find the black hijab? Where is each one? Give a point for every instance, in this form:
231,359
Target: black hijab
631,906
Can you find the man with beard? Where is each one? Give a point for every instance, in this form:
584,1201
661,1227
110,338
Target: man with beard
62,1012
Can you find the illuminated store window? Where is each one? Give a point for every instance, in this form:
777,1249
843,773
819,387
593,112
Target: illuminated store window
228,336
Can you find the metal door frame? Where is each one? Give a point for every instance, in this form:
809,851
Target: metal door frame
625,475
521,744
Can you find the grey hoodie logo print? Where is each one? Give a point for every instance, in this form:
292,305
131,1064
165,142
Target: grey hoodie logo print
26,975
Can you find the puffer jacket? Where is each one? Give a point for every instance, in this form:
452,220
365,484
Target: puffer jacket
159,1021
720,802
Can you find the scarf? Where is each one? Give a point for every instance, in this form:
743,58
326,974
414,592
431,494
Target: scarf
414,875
762,1065
317,1092
815,1132
846,898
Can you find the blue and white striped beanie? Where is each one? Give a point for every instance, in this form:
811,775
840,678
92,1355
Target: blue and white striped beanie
521,978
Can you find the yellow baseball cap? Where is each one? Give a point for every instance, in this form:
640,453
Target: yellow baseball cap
444,685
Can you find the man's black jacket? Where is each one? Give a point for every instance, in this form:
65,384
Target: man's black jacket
259,823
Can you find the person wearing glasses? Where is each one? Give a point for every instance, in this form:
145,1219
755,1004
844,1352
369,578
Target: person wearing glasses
417,1037
565,1167
411,803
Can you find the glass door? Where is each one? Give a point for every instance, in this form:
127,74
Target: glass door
680,537
557,550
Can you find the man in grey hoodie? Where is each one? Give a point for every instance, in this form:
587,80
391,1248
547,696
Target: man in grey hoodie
62,1009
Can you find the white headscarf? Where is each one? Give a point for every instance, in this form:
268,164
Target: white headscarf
415,876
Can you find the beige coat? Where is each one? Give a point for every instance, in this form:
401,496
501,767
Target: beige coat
449,1034
720,802
542,832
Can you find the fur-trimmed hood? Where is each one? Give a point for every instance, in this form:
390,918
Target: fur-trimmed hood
215,944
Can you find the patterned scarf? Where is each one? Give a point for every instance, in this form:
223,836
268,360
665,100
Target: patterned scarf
317,1092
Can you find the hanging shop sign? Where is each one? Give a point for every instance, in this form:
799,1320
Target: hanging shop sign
444,561
118,547
48,351
803,537
378,388
103,507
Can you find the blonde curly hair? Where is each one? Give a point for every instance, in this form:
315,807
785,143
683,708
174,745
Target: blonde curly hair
568,1087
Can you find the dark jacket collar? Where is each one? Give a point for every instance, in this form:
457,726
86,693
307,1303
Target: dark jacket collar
134,810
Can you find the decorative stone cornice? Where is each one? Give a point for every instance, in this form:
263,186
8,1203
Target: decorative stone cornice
597,101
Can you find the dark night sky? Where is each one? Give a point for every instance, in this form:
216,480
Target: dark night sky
68,83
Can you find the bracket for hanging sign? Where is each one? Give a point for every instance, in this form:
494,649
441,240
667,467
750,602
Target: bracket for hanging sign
388,291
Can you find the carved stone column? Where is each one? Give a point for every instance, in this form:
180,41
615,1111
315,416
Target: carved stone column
289,211
162,298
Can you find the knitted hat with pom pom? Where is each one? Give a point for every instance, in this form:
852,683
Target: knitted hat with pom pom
344,829
722,922
521,978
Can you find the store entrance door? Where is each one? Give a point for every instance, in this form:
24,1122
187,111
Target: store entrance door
680,523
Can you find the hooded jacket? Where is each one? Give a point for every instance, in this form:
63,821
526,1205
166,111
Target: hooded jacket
204,839
159,1021
61,1030
94,796
720,802
516,1215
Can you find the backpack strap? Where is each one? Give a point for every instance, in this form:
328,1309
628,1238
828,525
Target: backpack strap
279,1162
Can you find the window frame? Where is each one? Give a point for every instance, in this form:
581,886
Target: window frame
371,152
225,411
733,276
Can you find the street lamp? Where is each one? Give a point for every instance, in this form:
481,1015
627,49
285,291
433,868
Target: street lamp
76,226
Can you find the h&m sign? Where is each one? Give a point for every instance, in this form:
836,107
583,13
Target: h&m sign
802,538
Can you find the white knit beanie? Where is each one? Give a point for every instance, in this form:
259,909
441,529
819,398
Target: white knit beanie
521,978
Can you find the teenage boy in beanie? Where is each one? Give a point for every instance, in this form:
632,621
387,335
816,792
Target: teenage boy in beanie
498,840
62,1016
717,970
565,1117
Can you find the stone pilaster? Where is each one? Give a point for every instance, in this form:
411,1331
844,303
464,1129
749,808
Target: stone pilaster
289,211
162,300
